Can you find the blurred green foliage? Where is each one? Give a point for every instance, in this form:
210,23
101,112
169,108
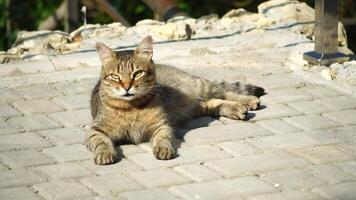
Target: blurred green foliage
28,14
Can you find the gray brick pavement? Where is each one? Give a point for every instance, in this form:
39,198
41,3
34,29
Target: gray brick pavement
22,141
25,158
19,177
73,117
68,153
38,106
259,163
18,193
343,191
223,189
111,184
290,195
59,190
293,179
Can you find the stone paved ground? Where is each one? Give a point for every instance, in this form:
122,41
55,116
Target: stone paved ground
300,145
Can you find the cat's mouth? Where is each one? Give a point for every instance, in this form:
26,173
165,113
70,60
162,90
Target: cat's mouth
128,95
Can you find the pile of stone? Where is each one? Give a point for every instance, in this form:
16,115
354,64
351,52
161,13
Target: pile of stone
274,14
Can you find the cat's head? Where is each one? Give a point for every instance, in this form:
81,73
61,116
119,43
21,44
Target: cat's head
130,75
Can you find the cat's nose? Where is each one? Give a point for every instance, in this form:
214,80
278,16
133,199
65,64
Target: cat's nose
126,86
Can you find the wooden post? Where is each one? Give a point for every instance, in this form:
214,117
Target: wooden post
326,34
8,22
72,15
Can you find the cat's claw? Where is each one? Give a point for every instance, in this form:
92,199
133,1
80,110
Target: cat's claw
105,158
163,152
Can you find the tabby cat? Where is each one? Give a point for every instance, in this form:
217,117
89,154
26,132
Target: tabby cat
136,101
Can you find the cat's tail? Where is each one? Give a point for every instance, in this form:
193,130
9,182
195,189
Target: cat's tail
242,88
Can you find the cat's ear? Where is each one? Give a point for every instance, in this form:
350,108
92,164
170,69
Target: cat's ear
145,48
105,53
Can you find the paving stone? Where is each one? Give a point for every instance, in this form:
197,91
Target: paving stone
30,80
147,146
337,192
89,82
158,178
37,106
75,60
324,154
222,189
124,166
185,155
70,88
348,167
202,122
278,126
338,103
349,148
33,122
22,141
17,159
348,133
64,136
111,184
5,128
19,193
19,68
8,111
229,132
310,122
62,190
73,101
308,107
329,173
273,81
73,117
291,179
38,91
284,96
231,167
290,195
69,153
296,140
8,95
197,172
344,117
148,194
19,177
319,91
130,149
273,111
63,171
3,167
239,148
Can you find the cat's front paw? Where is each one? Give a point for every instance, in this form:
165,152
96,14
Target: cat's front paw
252,102
163,150
105,157
234,110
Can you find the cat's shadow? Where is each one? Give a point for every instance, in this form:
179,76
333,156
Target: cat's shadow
182,130
206,121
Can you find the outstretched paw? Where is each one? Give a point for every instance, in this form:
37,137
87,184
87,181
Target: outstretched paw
163,150
234,111
105,157
252,102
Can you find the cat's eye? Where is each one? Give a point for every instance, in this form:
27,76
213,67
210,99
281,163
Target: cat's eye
115,77
138,74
